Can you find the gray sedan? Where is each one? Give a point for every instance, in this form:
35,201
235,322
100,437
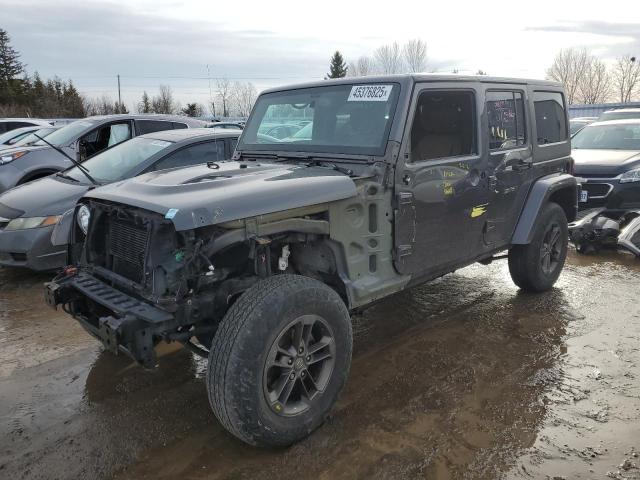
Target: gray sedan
28,213
81,140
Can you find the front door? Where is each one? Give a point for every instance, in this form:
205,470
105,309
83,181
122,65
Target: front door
441,185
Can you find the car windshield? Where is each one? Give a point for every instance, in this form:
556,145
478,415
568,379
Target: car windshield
117,162
12,136
32,139
617,115
349,119
67,134
625,136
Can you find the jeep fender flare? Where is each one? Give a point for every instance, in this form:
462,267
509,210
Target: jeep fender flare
561,188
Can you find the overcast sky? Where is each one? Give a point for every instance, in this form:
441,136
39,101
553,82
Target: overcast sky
153,42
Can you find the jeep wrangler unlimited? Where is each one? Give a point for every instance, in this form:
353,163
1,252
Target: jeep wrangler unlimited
340,193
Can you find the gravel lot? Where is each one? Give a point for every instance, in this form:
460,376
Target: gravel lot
461,378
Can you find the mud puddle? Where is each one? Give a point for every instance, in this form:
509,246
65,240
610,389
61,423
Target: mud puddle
461,378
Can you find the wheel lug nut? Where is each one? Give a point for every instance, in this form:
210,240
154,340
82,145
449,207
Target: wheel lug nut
290,361
303,374
308,358
292,376
301,349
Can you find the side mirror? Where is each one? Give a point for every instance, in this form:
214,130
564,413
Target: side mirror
81,151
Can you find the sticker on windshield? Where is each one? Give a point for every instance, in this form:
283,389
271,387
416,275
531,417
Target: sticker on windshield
370,93
160,143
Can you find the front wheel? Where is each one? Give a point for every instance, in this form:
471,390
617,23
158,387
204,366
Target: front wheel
279,360
536,267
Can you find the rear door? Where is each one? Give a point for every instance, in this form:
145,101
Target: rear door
441,191
510,166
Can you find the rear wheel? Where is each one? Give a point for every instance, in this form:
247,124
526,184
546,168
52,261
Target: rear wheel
279,360
536,267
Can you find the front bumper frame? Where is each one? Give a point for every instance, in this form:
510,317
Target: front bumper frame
124,324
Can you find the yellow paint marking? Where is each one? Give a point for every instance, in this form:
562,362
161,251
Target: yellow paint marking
479,210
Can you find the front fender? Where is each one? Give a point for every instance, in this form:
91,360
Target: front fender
559,187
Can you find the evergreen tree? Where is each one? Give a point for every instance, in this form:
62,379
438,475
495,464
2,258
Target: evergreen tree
10,65
337,66
193,110
145,104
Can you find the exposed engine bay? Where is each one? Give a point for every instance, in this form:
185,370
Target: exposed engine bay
603,228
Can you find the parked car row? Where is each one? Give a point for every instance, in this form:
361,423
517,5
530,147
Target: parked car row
87,154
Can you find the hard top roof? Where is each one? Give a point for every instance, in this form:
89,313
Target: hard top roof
416,77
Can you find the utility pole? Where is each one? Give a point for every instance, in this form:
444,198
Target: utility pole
119,96
213,106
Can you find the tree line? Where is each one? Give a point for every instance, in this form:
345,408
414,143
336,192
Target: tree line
587,79
25,95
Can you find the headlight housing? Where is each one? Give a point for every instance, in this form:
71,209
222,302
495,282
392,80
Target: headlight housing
31,222
630,176
83,216
10,157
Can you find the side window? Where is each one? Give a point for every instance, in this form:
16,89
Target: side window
551,123
444,125
193,155
505,112
150,126
178,125
104,137
14,125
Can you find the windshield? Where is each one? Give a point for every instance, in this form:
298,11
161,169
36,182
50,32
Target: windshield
67,134
118,162
349,119
608,137
616,115
32,139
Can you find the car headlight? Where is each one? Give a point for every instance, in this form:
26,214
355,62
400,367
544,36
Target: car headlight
630,176
31,222
10,157
84,214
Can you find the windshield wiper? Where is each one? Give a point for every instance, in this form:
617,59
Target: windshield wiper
74,161
63,175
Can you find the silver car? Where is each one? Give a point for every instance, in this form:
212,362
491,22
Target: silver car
80,140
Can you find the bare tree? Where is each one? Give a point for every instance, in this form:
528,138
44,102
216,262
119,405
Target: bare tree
164,102
243,96
626,78
414,53
103,105
594,86
362,67
389,58
224,93
568,68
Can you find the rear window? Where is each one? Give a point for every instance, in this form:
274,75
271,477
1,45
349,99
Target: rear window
551,120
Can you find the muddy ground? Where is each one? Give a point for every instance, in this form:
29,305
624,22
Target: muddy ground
462,378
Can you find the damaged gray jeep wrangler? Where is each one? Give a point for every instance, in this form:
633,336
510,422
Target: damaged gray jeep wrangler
340,193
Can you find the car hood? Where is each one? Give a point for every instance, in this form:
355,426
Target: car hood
604,162
199,196
43,197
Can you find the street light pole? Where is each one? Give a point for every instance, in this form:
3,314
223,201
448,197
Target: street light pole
119,96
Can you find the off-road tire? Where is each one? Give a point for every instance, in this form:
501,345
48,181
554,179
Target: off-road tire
240,348
525,261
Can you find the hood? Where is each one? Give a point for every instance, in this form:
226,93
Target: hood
46,196
604,162
198,196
